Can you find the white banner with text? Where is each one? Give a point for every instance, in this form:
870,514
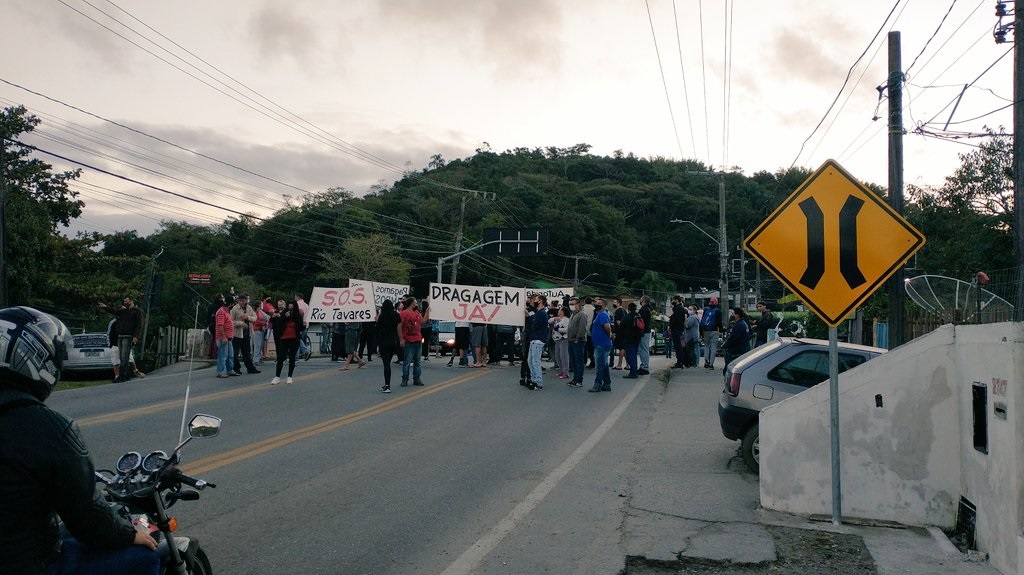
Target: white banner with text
354,303
383,291
495,305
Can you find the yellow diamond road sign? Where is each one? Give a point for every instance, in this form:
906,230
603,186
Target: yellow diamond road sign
833,242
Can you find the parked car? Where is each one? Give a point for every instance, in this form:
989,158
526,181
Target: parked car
446,337
91,353
770,373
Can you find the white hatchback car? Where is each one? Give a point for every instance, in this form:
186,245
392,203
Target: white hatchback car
91,353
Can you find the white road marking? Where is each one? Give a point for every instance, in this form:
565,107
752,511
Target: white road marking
476,553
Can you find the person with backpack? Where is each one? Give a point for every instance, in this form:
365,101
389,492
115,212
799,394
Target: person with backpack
710,325
631,329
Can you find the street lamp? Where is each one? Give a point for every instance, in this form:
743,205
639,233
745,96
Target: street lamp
577,283
723,278
717,243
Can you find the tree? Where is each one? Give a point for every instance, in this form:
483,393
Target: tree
968,221
372,257
37,200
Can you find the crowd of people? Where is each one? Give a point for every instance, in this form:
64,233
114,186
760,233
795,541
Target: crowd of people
573,333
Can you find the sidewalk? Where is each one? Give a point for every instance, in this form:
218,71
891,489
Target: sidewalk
695,503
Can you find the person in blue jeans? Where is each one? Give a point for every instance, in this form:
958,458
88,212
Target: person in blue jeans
577,336
411,339
601,337
538,337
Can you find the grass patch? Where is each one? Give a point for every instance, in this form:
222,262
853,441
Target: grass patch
84,379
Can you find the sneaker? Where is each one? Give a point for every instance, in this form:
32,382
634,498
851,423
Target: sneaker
522,382
275,381
234,374
630,377
289,380
307,355
575,384
405,384
642,372
386,389
538,386
417,382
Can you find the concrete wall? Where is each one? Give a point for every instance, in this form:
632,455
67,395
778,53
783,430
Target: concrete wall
907,439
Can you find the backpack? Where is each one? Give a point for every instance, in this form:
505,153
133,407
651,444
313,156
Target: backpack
639,323
709,321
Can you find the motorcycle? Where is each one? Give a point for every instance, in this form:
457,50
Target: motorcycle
143,488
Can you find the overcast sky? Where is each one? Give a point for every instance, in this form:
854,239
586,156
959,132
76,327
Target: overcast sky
285,98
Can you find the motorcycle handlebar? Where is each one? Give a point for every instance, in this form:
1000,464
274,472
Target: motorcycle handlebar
192,481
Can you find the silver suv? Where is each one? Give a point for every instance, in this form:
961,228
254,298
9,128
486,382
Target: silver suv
770,373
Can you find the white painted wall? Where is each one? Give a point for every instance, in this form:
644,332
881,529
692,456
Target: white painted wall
911,459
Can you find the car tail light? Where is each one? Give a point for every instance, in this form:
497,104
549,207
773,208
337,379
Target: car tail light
732,385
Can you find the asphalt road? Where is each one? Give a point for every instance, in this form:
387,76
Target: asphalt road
471,473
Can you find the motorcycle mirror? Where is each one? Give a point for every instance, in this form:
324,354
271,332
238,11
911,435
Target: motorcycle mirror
203,425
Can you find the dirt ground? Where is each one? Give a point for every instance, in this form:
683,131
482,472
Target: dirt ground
800,552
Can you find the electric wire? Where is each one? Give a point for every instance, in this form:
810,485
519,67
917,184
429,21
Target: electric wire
682,71
664,83
846,81
704,82
932,37
313,131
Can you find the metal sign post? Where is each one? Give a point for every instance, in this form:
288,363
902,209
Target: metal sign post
833,401
833,242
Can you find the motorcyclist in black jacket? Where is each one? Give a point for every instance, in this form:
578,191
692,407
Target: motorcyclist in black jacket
46,475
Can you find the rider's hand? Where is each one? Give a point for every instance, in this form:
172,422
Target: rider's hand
145,540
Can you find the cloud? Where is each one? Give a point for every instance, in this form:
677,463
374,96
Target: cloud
799,55
280,32
515,37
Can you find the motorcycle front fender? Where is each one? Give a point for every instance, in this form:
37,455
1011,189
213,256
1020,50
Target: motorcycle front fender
187,547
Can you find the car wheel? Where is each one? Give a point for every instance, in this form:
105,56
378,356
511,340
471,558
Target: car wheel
751,448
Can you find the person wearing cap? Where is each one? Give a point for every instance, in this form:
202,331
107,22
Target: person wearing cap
710,325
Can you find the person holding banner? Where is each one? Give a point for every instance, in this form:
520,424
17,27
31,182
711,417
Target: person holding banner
410,339
303,308
538,338
388,334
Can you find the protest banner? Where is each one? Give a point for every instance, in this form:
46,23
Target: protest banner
354,303
383,291
557,294
494,305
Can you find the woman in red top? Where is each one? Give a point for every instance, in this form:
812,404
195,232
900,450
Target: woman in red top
287,325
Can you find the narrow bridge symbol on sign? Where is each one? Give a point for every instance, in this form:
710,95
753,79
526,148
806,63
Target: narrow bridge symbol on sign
833,242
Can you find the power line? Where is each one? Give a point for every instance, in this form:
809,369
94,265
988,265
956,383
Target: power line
682,70
668,98
846,81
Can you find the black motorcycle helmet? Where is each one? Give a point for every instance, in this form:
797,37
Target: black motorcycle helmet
33,347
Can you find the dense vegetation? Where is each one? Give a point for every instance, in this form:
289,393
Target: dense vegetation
615,211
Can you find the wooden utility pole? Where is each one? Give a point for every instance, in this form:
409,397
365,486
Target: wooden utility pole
3,226
895,90
1018,160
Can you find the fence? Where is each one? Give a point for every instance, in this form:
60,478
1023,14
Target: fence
174,344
